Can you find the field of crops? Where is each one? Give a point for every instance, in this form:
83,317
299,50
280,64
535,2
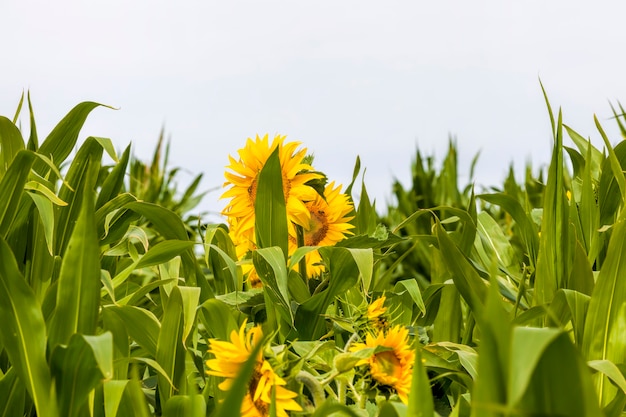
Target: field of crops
116,300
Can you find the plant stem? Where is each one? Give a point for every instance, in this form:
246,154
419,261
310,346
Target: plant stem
315,388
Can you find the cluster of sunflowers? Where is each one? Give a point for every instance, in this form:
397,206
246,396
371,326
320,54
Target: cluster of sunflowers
324,217
376,360
382,365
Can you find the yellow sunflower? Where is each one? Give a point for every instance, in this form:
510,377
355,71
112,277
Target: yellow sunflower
390,368
228,361
327,225
242,182
376,313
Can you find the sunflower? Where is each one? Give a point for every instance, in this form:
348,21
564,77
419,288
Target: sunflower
390,368
376,313
244,177
328,224
229,359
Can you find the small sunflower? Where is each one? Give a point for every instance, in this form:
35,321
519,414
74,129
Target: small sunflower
390,368
229,359
376,313
244,177
327,225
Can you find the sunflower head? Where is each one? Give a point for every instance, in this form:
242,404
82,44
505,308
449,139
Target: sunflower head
376,314
390,369
242,177
329,218
229,359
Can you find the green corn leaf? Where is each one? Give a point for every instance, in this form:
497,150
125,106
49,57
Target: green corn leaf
23,334
134,400
490,390
160,253
218,319
471,287
114,181
570,305
81,177
141,324
410,285
420,397
80,367
121,343
171,226
78,292
609,194
594,156
170,351
548,376
190,297
270,208
19,108
11,142
606,319
528,232
343,275
272,271
554,251
11,189
59,143
33,140
611,370
616,167
12,394
366,218
185,406
113,394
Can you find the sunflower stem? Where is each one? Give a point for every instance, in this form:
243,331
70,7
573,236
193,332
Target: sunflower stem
315,388
300,243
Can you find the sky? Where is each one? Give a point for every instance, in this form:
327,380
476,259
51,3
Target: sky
373,79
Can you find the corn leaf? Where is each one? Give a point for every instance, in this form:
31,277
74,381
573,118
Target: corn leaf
80,367
23,334
170,351
11,142
606,319
270,208
78,291
11,189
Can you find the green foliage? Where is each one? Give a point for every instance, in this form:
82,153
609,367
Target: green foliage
111,292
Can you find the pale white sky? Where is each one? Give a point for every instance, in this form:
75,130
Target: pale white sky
347,78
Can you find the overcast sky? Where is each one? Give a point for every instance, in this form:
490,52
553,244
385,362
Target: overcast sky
370,78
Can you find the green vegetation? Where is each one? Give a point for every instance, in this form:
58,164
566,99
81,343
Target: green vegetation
112,295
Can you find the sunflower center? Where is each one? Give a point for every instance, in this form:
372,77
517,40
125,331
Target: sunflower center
386,367
261,406
252,190
318,228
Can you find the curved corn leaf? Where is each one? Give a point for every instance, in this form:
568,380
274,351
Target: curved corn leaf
11,142
606,319
11,189
78,292
12,394
60,142
23,333
170,351
80,367
270,208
